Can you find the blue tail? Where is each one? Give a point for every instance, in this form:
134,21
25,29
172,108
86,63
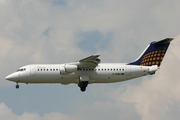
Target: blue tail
153,54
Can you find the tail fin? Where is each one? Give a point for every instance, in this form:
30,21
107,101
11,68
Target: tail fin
153,54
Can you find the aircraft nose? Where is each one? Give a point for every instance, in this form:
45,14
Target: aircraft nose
12,77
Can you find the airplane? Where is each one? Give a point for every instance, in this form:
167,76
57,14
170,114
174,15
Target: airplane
90,70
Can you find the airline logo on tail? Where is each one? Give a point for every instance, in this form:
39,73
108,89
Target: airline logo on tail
153,54
153,58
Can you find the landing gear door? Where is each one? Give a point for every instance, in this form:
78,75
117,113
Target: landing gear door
33,70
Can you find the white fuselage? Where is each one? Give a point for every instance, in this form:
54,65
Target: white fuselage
103,73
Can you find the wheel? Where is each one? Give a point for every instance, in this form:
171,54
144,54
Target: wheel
83,89
17,86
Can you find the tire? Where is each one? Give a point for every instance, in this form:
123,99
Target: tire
17,86
83,89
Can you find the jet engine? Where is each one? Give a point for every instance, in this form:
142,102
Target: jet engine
67,69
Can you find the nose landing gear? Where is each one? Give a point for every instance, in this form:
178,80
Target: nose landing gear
17,86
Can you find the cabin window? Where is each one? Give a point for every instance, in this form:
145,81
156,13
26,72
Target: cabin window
47,69
56,69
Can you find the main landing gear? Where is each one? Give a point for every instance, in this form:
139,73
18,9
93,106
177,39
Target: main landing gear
83,85
17,86
83,82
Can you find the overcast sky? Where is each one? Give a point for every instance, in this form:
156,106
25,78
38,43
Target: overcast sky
62,31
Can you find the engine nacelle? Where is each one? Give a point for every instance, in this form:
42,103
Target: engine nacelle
67,69
153,69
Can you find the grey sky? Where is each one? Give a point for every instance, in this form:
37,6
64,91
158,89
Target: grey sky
61,31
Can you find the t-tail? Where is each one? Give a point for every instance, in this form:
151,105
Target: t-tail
153,54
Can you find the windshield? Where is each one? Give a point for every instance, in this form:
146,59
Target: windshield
21,69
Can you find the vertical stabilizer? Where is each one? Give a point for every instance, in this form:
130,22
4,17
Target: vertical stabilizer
153,54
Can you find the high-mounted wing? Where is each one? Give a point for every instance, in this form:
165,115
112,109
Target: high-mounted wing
91,59
89,62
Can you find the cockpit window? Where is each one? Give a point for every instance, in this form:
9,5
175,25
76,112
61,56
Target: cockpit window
21,69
